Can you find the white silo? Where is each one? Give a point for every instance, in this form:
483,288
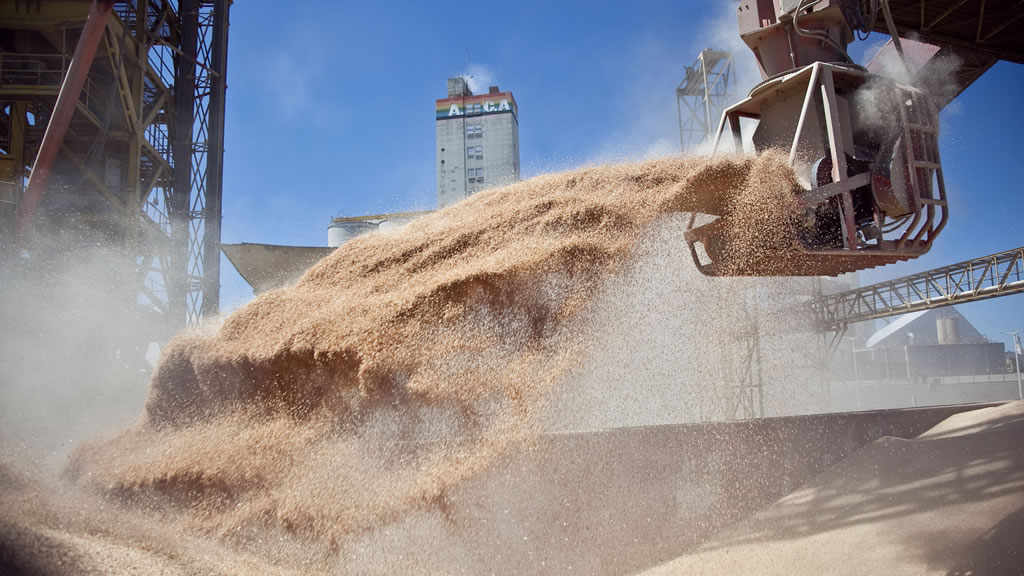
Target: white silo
342,231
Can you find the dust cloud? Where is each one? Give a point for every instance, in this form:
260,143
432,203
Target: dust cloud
691,341
398,369
71,354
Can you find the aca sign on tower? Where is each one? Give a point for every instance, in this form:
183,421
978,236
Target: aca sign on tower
449,109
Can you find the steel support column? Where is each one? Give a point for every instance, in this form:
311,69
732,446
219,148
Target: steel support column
215,159
180,200
63,110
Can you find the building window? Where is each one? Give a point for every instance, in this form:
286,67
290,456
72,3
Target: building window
475,175
474,131
475,152
474,109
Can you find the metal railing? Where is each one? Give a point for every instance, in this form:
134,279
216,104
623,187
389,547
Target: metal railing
986,277
33,71
845,379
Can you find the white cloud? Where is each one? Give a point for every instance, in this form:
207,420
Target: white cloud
722,33
651,67
479,77
292,74
289,82
661,147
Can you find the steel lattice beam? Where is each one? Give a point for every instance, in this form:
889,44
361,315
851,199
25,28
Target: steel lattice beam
990,276
990,28
705,91
115,162
144,149
202,65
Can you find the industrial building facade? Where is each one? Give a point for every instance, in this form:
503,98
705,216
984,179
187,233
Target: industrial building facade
477,141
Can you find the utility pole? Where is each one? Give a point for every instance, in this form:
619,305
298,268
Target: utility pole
1016,359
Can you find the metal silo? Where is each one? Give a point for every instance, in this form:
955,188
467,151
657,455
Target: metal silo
340,232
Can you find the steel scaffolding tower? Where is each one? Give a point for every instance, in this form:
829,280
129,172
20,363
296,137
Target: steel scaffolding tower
204,43
745,398
140,166
735,360
706,90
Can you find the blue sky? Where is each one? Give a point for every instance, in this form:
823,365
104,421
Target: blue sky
330,112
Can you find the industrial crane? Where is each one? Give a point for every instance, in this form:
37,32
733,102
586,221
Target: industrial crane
864,144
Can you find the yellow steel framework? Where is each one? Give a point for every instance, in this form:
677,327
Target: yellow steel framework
141,165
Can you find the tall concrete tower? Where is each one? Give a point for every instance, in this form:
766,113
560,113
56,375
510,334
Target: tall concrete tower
477,141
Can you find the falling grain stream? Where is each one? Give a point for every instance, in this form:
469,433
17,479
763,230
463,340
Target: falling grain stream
394,371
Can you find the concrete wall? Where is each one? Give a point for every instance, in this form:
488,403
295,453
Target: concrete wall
619,501
500,162
450,160
851,396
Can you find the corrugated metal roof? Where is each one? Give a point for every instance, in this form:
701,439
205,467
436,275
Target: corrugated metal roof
994,27
893,327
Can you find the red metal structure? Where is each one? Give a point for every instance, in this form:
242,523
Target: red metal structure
120,103
70,90
111,154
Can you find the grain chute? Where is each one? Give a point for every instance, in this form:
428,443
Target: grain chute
865,147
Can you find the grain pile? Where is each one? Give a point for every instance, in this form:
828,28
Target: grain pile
401,365
947,503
